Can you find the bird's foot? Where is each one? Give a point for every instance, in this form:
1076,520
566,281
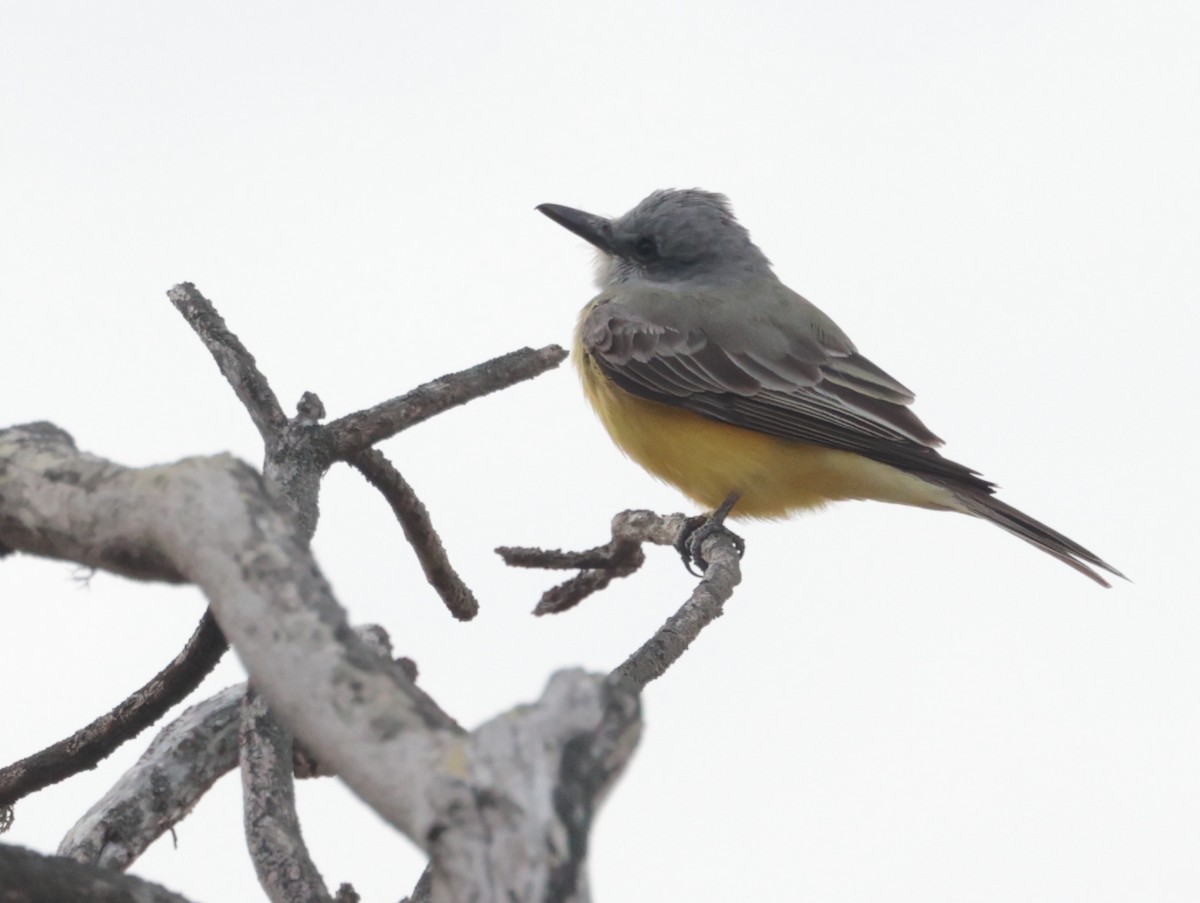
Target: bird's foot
698,529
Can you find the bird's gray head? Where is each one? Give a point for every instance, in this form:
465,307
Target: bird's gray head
672,236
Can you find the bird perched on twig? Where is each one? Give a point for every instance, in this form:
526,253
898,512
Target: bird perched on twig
718,378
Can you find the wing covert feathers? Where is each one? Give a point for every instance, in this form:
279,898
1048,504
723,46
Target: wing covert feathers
782,382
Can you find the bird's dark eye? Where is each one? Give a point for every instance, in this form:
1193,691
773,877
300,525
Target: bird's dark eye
645,249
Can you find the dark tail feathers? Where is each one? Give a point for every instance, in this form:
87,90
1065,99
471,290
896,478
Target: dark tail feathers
1035,533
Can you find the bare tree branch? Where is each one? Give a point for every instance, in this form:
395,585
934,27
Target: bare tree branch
29,877
32,452
355,432
298,451
273,834
296,459
598,567
514,825
705,605
418,530
182,762
211,520
504,811
88,746
177,769
621,557
233,359
281,859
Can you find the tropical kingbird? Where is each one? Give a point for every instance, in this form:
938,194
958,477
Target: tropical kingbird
716,377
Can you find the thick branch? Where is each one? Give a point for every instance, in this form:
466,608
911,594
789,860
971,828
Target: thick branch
210,520
86,747
44,475
505,811
185,759
515,824
181,763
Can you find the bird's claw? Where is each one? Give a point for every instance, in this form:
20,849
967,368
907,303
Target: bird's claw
692,537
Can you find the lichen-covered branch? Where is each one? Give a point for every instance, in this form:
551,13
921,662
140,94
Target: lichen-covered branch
182,762
517,815
177,769
503,811
211,521
41,477
281,859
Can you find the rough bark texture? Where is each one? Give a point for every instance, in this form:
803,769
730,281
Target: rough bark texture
285,868
185,759
504,811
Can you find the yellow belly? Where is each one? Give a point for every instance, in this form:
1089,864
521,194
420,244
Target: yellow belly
707,459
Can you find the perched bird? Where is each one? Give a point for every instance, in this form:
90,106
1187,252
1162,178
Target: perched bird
716,377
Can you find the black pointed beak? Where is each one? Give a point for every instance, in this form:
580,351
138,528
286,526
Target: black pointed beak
588,226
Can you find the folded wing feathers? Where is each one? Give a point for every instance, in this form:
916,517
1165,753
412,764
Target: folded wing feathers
829,397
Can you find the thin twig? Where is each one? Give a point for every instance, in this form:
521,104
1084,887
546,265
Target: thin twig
621,557
233,359
300,449
611,554
362,429
599,566
704,606
571,592
419,531
87,746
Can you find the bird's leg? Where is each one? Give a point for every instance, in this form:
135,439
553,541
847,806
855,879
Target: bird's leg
701,527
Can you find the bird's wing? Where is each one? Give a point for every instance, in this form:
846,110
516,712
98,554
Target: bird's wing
785,370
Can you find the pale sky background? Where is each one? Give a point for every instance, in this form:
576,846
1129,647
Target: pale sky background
999,202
